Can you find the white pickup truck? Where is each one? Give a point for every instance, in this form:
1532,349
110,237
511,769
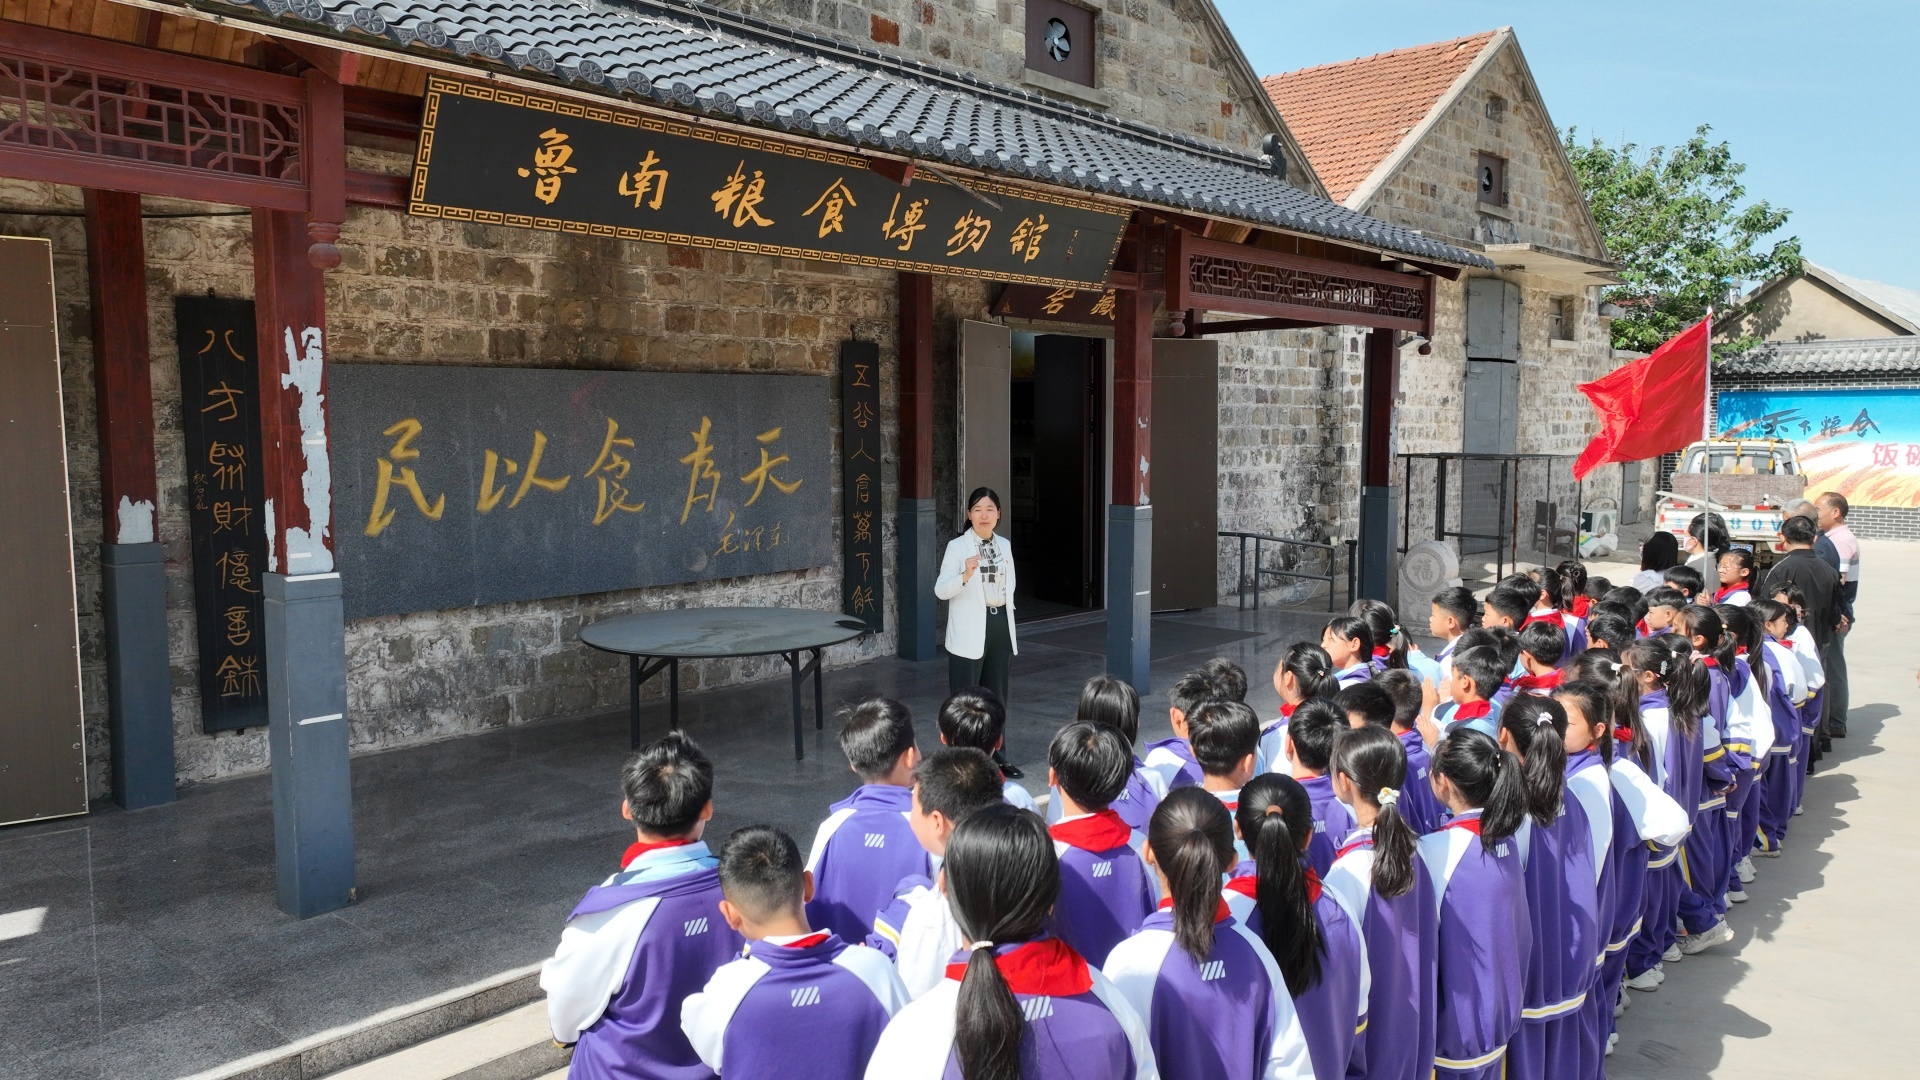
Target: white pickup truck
1746,481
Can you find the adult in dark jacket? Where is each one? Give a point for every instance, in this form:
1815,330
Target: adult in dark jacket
1820,584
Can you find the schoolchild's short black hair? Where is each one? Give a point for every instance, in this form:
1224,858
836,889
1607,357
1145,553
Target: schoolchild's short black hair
761,871
1482,665
1222,733
873,735
1193,690
1313,727
1610,631
1513,600
1684,578
1666,596
1228,678
1460,604
974,718
1403,686
667,783
954,781
1546,642
1370,701
1091,763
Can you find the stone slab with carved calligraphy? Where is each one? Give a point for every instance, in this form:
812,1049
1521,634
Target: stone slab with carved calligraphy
460,486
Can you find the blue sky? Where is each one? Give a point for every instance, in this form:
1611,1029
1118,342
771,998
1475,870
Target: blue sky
1818,97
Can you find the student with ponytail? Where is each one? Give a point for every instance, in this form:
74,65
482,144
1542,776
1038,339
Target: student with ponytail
1555,605
1589,747
1807,651
1377,872
1486,934
1212,996
1750,735
1016,1004
1704,857
1786,696
1573,579
1389,644
1666,686
1311,933
1562,889
1349,642
1305,672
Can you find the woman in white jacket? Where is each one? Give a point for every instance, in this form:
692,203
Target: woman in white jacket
976,579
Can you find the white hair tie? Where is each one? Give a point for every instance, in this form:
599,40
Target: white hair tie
978,945
1387,797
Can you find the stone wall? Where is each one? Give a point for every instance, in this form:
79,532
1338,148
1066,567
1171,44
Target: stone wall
1159,61
420,291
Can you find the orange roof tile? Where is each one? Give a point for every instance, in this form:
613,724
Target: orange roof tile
1348,117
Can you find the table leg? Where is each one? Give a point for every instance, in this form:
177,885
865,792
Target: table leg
633,702
673,694
819,696
793,664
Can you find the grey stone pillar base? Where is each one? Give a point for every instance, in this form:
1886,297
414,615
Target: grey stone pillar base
1378,506
1130,594
920,551
307,735
139,682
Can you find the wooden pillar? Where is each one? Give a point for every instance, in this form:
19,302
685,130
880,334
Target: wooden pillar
919,551
1378,502
133,565
305,624
1130,515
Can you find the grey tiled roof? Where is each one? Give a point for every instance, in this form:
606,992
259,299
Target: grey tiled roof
1862,356
727,65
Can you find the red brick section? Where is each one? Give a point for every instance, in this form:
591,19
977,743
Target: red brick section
1350,116
885,31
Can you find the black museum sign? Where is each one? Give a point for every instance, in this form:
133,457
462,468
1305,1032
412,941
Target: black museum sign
504,157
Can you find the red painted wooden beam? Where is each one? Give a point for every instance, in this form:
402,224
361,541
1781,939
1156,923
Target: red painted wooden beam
1382,390
377,189
290,317
323,152
123,388
1132,397
916,386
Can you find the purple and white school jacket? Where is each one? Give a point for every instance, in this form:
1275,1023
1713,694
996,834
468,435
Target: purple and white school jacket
1227,1018
918,932
1173,760
859,855
1271,753
1402,935
1332,822
1106,888
1355,675
1485,938
1563,896
1418,804
809,1007
1078,1026
1750,722
1642,814
1333,1011
633,950
1135,803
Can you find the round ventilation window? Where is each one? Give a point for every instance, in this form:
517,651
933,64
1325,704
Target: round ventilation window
1059,41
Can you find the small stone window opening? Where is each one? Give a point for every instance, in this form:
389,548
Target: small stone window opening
1496,108
1490,178
1560,318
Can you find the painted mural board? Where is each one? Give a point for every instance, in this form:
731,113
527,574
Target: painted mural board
1864,444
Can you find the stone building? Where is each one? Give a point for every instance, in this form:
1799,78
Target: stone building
300,173
1453,139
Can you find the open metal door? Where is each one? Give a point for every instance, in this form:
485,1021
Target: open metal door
1186,473
43,757
986,413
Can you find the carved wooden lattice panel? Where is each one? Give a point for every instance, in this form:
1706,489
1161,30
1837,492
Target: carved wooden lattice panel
1215,277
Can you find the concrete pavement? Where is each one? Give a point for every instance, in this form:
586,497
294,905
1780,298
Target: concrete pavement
1818,981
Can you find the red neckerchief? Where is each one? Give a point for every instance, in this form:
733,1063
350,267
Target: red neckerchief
1219,913
1557,618
1048,967
1471,824
1740,650
1472,710
1581,605
809,941
1725,591
1381,652
1354,845
639,848
1529,683
1623,735
1103,831
1640,628
1286,710
1710,661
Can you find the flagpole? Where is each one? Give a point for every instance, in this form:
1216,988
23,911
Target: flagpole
1706,427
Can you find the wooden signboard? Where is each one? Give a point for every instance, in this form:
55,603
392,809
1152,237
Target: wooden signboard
504,157
862,578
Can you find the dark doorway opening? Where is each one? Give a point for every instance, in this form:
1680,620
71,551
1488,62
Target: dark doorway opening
1058,458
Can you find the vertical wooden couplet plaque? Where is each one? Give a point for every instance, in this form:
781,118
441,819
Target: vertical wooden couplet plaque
862,582
219,384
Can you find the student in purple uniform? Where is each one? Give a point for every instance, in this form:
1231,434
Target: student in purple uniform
1228,678
1391,648
1558,598
1704,858
1373,703
1105,887
1378,873
1589,785
1609,631
866,846
1661,678
1316,723
1213,998
1543,653
648,936
1749,738
1015,1004
1508,605
1774,800
1455,612
1173,758
1562,893
976,718
1313,937
917,928
1305,671
795,987
1477,675
1349,642
1226,736
1115,703
1736,572
1485,934
1688,580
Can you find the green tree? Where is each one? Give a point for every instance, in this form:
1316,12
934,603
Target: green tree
1674,221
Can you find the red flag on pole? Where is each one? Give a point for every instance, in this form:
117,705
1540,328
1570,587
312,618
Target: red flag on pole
1649,407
